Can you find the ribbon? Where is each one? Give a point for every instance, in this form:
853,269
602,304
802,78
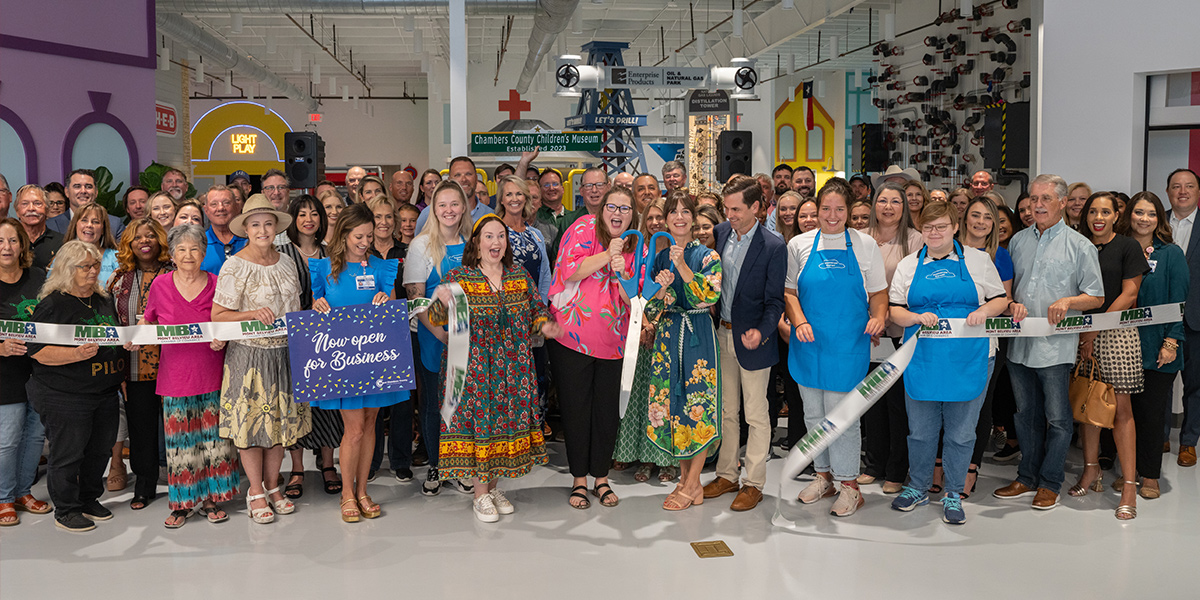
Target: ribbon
637,309
458,350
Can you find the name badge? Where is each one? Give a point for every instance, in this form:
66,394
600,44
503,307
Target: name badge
365,282
1153,264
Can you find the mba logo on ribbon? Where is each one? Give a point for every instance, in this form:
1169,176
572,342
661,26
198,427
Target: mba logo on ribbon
942,329
1001,327
18,330
257,329
179,333
1073,324
96,334
1137,315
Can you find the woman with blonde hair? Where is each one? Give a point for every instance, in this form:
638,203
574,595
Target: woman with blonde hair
786,209
1077,194
162,209
917,197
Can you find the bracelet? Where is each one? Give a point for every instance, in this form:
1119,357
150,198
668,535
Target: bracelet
802,324
1169,345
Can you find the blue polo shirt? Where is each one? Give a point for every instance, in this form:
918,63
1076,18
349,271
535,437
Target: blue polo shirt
218,251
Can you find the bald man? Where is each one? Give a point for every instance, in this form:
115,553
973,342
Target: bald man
981,183
624,180
354,176
401,187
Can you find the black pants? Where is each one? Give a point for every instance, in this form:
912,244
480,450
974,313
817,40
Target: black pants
1004,404
1149,415
81,429
790,396
885,435
983,429
589,389
142,411
400,435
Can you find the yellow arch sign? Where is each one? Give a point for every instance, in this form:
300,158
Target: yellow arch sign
237,135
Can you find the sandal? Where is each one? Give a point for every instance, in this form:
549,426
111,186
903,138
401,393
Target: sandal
1096,485
261,516
33,505
604,501
666,474
214,514
619,466
332,486
369,508
182,516
284,506
8,515
139,502
936,488
118,477
350,513
672,504
1148,492
575,493
643,472
966,493
294,491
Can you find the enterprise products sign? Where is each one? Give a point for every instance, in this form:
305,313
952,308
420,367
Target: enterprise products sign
668,77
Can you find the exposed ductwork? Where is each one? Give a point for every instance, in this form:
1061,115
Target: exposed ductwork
552,18
377,7
218,54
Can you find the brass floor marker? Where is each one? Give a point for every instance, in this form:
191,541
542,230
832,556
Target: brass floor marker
711,549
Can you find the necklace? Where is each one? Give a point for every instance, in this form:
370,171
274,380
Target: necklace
87,304
312,254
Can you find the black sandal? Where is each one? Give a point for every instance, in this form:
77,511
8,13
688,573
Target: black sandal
331,486
294,490
602,497
586,504
139,502
967,493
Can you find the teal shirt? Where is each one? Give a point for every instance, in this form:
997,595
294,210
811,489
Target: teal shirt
1166,283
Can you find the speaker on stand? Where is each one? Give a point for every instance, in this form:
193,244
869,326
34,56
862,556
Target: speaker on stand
733,154
304,158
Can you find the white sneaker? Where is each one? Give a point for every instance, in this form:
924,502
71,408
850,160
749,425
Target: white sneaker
819,488
503,506
485,509
848,502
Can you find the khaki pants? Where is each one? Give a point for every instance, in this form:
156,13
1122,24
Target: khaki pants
740,386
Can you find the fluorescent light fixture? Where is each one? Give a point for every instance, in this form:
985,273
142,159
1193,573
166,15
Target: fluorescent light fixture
577,22
236,26
332,85
738,21
164,59
345,93
418,42
297,61
316,74
272,47
833,46
889,26
200,70
229,84
410,23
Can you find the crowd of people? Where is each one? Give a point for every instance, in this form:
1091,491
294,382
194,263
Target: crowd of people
771,294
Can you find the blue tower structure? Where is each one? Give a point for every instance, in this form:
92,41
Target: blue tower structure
611,111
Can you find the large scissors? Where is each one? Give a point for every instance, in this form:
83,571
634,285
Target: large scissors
640,288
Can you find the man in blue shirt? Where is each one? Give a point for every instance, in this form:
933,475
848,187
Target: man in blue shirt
462,170
1056,274
219,207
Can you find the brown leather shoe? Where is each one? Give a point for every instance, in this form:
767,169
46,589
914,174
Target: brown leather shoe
1187,456
747,498
719,487
1045,499
1015,489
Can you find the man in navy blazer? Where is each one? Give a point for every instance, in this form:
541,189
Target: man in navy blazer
753,266
1183,190
81,189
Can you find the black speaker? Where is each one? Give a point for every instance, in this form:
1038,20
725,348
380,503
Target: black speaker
867,152
733,154
304,158
1006,137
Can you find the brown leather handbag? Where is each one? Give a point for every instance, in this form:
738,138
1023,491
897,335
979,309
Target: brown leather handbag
1093,402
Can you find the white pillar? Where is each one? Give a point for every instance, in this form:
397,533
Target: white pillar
459,134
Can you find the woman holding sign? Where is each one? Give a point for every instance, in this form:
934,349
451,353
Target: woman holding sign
835,297
494,432
257,412
202,467
437,250
947,379
351,275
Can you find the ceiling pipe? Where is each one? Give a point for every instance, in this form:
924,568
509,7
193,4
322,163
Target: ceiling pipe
220,55
553,17
380,7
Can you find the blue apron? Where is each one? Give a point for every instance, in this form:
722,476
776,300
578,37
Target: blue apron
947,369
431,347
832,296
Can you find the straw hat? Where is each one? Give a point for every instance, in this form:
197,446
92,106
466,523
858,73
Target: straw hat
908,174
258,204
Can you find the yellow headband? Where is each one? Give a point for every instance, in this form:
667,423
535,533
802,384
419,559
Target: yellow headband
480,220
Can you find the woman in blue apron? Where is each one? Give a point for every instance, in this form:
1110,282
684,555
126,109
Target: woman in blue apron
436,250
836,295
946,381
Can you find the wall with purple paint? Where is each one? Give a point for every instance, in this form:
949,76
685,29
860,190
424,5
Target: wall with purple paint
46,83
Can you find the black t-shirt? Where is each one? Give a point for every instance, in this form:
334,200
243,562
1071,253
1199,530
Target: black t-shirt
398,251
17,301
100,374
45,247
1120,259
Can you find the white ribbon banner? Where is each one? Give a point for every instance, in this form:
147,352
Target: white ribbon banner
637,309
457,350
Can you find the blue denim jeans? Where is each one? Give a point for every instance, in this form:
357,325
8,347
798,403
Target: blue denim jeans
1044,423
926,420
21,437
843,454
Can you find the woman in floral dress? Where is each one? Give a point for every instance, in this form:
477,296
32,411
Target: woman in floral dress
685,383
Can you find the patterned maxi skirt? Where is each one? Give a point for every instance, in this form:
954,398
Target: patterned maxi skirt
257,410
202,465
632,443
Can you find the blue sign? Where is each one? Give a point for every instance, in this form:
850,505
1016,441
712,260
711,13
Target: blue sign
590,121
352,351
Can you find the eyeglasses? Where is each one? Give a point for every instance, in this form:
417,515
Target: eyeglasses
275,188
593,186
943,228
228,250
92,267
615,208
550,186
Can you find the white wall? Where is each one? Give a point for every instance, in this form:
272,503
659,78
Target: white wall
1094,64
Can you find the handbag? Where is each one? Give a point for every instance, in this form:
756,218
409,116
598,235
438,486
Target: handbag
1093,402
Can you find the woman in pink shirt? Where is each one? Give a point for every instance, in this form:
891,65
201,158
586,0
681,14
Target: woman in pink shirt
586,298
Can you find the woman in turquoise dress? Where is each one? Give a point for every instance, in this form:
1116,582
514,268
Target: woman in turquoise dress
685,381
352,276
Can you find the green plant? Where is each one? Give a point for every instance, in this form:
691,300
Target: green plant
151,179
106,196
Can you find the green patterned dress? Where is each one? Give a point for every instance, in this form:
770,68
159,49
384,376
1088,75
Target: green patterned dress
685,377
